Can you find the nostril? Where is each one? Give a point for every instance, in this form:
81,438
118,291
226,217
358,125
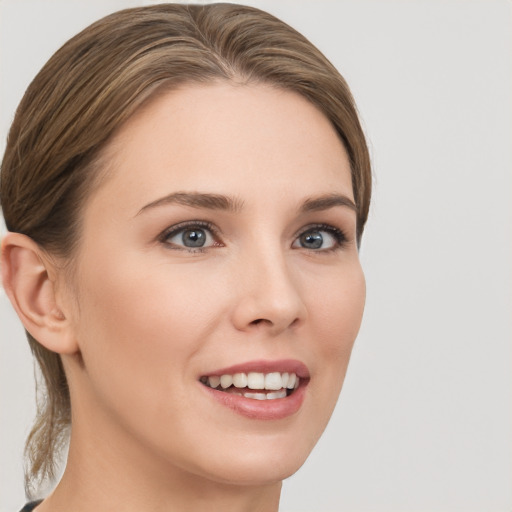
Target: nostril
295,323
265,321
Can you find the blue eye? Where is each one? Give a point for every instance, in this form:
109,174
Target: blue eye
320,238
191,236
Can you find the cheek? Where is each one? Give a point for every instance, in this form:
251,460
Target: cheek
336,318
139,327
337,310
140,302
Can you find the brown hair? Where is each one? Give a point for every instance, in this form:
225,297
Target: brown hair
94,83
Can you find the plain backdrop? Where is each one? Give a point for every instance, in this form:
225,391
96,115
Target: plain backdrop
424,422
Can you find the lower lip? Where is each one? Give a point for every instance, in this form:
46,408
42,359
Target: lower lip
275,409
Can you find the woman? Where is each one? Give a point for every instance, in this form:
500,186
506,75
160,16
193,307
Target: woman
185,189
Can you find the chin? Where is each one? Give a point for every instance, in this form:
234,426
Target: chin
259,459
260,469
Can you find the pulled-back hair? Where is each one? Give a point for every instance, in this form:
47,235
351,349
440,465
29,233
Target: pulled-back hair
93,84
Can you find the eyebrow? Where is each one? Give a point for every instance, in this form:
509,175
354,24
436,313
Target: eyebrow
324,202
197,200
230,204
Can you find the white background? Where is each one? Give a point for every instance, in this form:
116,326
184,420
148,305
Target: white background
424,421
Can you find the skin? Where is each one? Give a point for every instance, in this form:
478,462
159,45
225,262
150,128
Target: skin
145,317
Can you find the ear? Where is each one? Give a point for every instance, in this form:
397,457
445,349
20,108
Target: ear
30,279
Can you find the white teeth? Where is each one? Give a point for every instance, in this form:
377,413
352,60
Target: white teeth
214,381
276,394
256,380
226,381
256,396
240,380
273,381
266,396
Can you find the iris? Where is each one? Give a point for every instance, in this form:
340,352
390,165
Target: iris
312,240
193,237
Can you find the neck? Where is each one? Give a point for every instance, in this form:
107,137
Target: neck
106,476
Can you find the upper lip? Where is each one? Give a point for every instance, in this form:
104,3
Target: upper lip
264,366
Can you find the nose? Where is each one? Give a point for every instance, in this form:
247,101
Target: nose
269,296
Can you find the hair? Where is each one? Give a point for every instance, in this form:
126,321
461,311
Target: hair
92,85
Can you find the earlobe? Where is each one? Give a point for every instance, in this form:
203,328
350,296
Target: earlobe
29,280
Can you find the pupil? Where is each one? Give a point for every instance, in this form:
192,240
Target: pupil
194,238
312,240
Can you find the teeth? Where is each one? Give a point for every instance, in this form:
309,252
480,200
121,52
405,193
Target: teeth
240,380
273,381
256,396
276,394
226,381
266,396
256,380
214,381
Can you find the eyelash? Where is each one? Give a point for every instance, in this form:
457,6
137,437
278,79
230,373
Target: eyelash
339,236
175,230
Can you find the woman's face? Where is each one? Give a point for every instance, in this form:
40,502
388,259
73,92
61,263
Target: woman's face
222,243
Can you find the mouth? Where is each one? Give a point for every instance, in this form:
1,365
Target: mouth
262,390
254,385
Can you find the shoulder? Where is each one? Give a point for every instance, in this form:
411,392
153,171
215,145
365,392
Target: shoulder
30,506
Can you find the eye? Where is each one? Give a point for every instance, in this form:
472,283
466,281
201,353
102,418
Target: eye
320,238
192,237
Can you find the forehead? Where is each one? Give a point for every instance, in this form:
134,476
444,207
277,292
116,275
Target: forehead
248,140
